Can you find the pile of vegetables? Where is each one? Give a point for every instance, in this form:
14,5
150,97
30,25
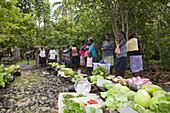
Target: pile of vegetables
100,71
5,76
12,68
76,77
67,96
116,96
116,79
73,107
67,70
138,81
56,65
153,97
94,78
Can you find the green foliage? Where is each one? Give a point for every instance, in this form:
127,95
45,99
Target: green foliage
5,76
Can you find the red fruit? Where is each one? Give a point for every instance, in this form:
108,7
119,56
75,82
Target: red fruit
69,95
65,100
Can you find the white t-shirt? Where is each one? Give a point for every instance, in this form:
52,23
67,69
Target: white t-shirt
52,54
42,53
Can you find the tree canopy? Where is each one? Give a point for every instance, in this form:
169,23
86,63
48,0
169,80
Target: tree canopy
25,23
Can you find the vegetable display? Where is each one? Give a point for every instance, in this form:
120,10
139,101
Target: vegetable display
67,96
116,96
151,88
160,104
138,81
92,102
80,95
142,98
5,76
139,108
76,77
100,71
73,107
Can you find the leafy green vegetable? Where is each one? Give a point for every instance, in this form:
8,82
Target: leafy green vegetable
116,96
80,95
5,76
100,71
93,110
163,104
67,96
73,107
139,108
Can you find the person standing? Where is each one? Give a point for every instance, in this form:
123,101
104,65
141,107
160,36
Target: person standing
51,55
42,56
107,48
121,59
74,57
67,56
93,50
82,56
134,48
27,56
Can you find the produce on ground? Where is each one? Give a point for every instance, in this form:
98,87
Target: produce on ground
93,110
159,92
151,88
139,108
66,71
142,98
67,96
100,71
116,96
92,102
80,95
108,85
76,77
161,104
5,76
73,107
138,81
71,73
116,79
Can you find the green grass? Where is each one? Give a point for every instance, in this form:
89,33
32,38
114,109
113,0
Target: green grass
30,78
24,62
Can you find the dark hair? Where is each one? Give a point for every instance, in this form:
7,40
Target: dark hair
123,34
74,45
91,40
107,34
132,35
83,41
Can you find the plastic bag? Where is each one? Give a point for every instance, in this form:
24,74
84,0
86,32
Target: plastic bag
117,51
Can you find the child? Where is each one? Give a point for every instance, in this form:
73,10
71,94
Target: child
89,66
74,57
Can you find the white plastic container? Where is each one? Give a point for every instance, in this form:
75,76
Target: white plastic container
82,86
103,65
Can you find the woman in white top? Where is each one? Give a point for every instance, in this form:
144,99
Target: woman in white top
42,56
52,54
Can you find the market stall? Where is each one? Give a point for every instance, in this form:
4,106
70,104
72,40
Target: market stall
113,94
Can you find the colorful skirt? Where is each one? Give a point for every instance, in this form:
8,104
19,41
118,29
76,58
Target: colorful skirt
121,64
109,60
66,59
42,60
136,63
82,61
